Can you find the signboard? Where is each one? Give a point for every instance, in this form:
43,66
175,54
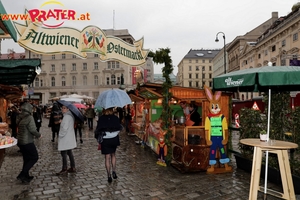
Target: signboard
42,32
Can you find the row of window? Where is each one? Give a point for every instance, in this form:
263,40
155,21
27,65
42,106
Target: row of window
197,84
197,68
203,61
197,76
110,65
112,80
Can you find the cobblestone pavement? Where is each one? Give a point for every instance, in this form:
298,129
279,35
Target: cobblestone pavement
139,177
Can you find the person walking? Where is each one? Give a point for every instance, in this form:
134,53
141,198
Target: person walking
90,115
54,121
26,133
110,124
67,141
78,128
37,115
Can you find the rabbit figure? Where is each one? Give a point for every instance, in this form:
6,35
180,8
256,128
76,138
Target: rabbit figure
216,130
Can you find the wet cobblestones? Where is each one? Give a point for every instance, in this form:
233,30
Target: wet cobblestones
139,177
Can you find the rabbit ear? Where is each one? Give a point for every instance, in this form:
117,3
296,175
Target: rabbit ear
218,95
208,93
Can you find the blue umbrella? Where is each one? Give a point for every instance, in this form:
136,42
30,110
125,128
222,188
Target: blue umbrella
74,110
113,98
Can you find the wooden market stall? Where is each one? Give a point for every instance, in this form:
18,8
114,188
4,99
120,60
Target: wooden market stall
189,149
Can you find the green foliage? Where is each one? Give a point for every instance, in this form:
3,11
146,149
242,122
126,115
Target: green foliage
251,125
162,57
283,120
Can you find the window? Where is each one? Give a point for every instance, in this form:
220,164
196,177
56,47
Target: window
190,75
96,55
190,61
84,80
73,80
63,81
52,68
36,82
273,48
283,62
266,52
84,66
41,83
295,36
52,81
96,65
197,68
196,61
190,68
190,84
96,81
197,84
283,43
63,67
203,68
53,57
210,61
73,66
259,56
197,75
209,75
63,56
203,76
52,94
203,61
118,80
209,68
113,79
73,56
113,64
107,80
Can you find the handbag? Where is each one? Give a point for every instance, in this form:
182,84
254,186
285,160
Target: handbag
99,136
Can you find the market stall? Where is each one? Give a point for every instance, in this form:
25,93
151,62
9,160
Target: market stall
190,150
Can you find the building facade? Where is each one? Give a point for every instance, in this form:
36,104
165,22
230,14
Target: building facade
196,68
279,44
65,73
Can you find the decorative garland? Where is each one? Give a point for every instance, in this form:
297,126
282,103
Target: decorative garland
162,57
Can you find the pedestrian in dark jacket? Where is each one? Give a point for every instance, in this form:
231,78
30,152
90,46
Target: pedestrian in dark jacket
37,115
26,134
55,119
13,120
90,115
110,124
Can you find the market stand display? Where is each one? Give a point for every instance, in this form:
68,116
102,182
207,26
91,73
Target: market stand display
189,149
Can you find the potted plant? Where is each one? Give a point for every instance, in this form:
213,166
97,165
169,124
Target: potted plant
263,135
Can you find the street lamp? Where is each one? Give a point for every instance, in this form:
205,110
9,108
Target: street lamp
217,40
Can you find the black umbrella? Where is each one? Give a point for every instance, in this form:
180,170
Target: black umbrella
77,114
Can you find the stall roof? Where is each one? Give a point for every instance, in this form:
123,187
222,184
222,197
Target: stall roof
7,29
18,72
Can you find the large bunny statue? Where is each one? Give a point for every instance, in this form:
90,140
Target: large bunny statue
216,131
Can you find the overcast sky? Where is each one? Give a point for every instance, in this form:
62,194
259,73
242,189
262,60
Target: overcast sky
176,24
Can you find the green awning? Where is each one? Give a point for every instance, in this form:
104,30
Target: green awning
18,72
6,27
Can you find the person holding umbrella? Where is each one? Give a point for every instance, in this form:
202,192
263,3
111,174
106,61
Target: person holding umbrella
67,141
109,123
